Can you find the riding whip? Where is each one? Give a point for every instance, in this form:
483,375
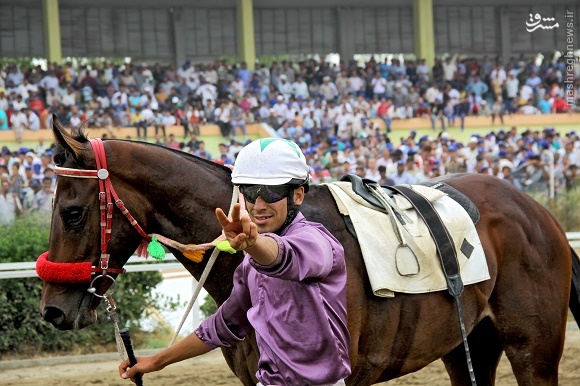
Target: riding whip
130,354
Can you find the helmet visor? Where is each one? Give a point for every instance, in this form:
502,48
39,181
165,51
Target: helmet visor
269,193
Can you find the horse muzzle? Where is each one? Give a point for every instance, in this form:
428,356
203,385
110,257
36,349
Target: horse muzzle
68,309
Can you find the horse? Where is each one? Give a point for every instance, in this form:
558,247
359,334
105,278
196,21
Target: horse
521,310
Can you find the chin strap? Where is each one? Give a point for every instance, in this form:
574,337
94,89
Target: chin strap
293,211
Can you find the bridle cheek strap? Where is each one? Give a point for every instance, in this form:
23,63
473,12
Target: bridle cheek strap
108,195
67,273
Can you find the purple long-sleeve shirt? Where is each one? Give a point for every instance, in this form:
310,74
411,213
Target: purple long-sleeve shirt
296,305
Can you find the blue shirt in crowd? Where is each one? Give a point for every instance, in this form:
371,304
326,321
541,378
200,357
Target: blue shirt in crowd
3,120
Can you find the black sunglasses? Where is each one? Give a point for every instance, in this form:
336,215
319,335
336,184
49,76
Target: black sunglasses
270,194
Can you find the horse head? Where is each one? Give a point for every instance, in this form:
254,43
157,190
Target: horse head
147,189
76,234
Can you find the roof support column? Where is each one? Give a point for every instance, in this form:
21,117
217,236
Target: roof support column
51,19
424,31
246,41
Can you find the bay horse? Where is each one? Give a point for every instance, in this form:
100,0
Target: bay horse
521,310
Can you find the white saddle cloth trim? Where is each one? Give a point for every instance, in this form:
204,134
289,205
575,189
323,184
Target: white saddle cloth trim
378,242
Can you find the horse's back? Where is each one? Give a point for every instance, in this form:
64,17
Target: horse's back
529,264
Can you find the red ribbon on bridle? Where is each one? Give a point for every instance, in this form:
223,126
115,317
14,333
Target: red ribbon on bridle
82,272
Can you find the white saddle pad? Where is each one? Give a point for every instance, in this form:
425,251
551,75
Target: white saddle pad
379,243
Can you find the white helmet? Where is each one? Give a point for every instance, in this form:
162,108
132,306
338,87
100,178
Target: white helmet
270,161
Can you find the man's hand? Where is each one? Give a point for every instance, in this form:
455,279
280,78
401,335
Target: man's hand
144,365
240,231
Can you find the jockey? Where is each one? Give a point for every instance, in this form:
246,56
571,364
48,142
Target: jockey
290,287
282,169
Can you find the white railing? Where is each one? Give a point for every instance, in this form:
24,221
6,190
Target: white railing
574,240
135,264
169,270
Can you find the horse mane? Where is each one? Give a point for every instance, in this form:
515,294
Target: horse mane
78,134
180,153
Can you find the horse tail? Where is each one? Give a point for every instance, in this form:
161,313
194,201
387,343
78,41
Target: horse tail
575,288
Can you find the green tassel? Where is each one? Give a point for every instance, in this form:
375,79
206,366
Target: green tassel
225,246
155,249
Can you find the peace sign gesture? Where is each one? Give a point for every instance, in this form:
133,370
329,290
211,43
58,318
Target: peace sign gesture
240,231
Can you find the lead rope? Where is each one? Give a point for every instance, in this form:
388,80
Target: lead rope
111,311
205,274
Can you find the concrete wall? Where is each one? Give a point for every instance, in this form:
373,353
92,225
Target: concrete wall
205,29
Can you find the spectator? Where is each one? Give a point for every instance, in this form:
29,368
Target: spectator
300,88
401,176
559,105
43,198
328,89
202,152
237,120
138,121
33,122
449,69
18,122
19,104
172,143
285,87
478,87
545,105
223,117
3,120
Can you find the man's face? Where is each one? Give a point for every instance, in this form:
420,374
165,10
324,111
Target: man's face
270,217
46,186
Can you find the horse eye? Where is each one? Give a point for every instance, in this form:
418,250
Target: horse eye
72,216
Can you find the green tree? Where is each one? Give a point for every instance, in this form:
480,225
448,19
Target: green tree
209,306
23,331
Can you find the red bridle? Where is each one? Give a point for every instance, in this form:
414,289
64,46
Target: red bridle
78,272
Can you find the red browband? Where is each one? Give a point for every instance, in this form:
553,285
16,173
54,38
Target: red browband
68,273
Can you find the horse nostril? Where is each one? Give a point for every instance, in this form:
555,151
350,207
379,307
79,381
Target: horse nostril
54,316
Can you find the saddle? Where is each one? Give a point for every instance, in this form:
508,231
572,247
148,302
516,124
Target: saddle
445,246
393,225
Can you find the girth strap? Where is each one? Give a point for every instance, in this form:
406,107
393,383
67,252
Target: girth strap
443,241
447,254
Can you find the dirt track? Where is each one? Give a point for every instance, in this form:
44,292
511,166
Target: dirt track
212,370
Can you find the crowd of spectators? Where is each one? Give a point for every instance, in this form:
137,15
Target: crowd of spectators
305,101
327,110
522,159
27,181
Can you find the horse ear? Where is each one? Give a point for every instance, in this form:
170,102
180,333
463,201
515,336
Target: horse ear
65,139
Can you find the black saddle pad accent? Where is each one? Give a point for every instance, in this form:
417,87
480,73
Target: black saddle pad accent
359,187
459,197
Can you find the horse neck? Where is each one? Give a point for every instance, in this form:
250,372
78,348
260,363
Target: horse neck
177,195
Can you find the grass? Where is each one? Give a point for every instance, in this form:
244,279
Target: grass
463,136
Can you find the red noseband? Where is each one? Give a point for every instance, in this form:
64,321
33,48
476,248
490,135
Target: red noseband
68,273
